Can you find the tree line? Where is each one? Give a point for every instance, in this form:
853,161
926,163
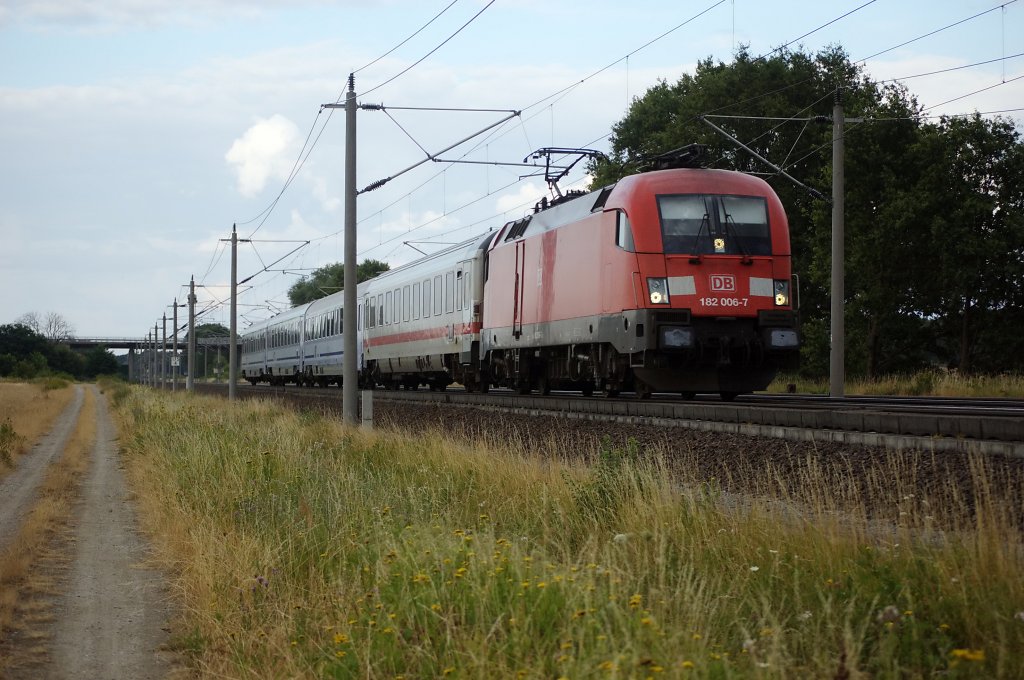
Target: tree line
934,208
33,346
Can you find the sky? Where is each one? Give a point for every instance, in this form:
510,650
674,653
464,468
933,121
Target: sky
135,133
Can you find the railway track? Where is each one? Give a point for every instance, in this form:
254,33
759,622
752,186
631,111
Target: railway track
989,426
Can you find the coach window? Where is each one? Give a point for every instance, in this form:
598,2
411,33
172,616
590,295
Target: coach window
467,283
415,301
387,307
438,293
371,312
359,317
341,324
623,232
380,309
426,298
396,311
449,292
458,290
406,303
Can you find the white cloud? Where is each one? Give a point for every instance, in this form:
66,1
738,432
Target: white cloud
522,201
329,202
266,151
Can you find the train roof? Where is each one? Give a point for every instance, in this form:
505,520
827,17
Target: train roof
460,251
621,194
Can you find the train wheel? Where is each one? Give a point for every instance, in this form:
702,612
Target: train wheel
728,396
544,385
588,390
688,395
611,394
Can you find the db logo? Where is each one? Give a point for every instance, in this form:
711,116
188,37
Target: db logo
724,283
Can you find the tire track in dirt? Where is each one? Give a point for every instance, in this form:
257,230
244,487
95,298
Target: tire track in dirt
19,489
112,618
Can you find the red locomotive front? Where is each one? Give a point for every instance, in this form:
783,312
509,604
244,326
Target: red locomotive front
714,259
671,281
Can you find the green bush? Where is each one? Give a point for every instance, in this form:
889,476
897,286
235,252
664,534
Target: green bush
9,441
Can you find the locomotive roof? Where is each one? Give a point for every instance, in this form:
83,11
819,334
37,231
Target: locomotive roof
620,194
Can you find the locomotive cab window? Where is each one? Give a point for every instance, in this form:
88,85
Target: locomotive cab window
623,232
695,224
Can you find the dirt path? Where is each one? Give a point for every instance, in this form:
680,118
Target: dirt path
19,489
113,616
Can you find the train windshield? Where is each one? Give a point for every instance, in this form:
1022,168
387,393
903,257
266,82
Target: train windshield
708,224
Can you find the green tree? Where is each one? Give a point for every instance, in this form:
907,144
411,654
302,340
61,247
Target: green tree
211,330
330,279
63,359
972,188
884,236
20,341
204,354
99,361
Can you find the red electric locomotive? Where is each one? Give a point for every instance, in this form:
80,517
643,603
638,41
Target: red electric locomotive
675,280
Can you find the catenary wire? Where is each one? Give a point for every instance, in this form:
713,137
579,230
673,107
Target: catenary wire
424,57
418,31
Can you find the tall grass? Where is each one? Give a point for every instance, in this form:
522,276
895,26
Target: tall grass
27,411
929,383
304,549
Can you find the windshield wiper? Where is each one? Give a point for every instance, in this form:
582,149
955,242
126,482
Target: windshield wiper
730,227
706,220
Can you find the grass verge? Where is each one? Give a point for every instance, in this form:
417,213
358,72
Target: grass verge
304,549
27,411
932,383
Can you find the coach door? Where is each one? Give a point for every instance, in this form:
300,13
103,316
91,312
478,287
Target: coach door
518,294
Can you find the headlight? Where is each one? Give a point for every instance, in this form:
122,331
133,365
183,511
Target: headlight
781,293
673,337
658,291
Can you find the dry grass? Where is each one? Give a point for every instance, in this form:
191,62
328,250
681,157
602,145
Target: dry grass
305,549
27,411
30,562
931,383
